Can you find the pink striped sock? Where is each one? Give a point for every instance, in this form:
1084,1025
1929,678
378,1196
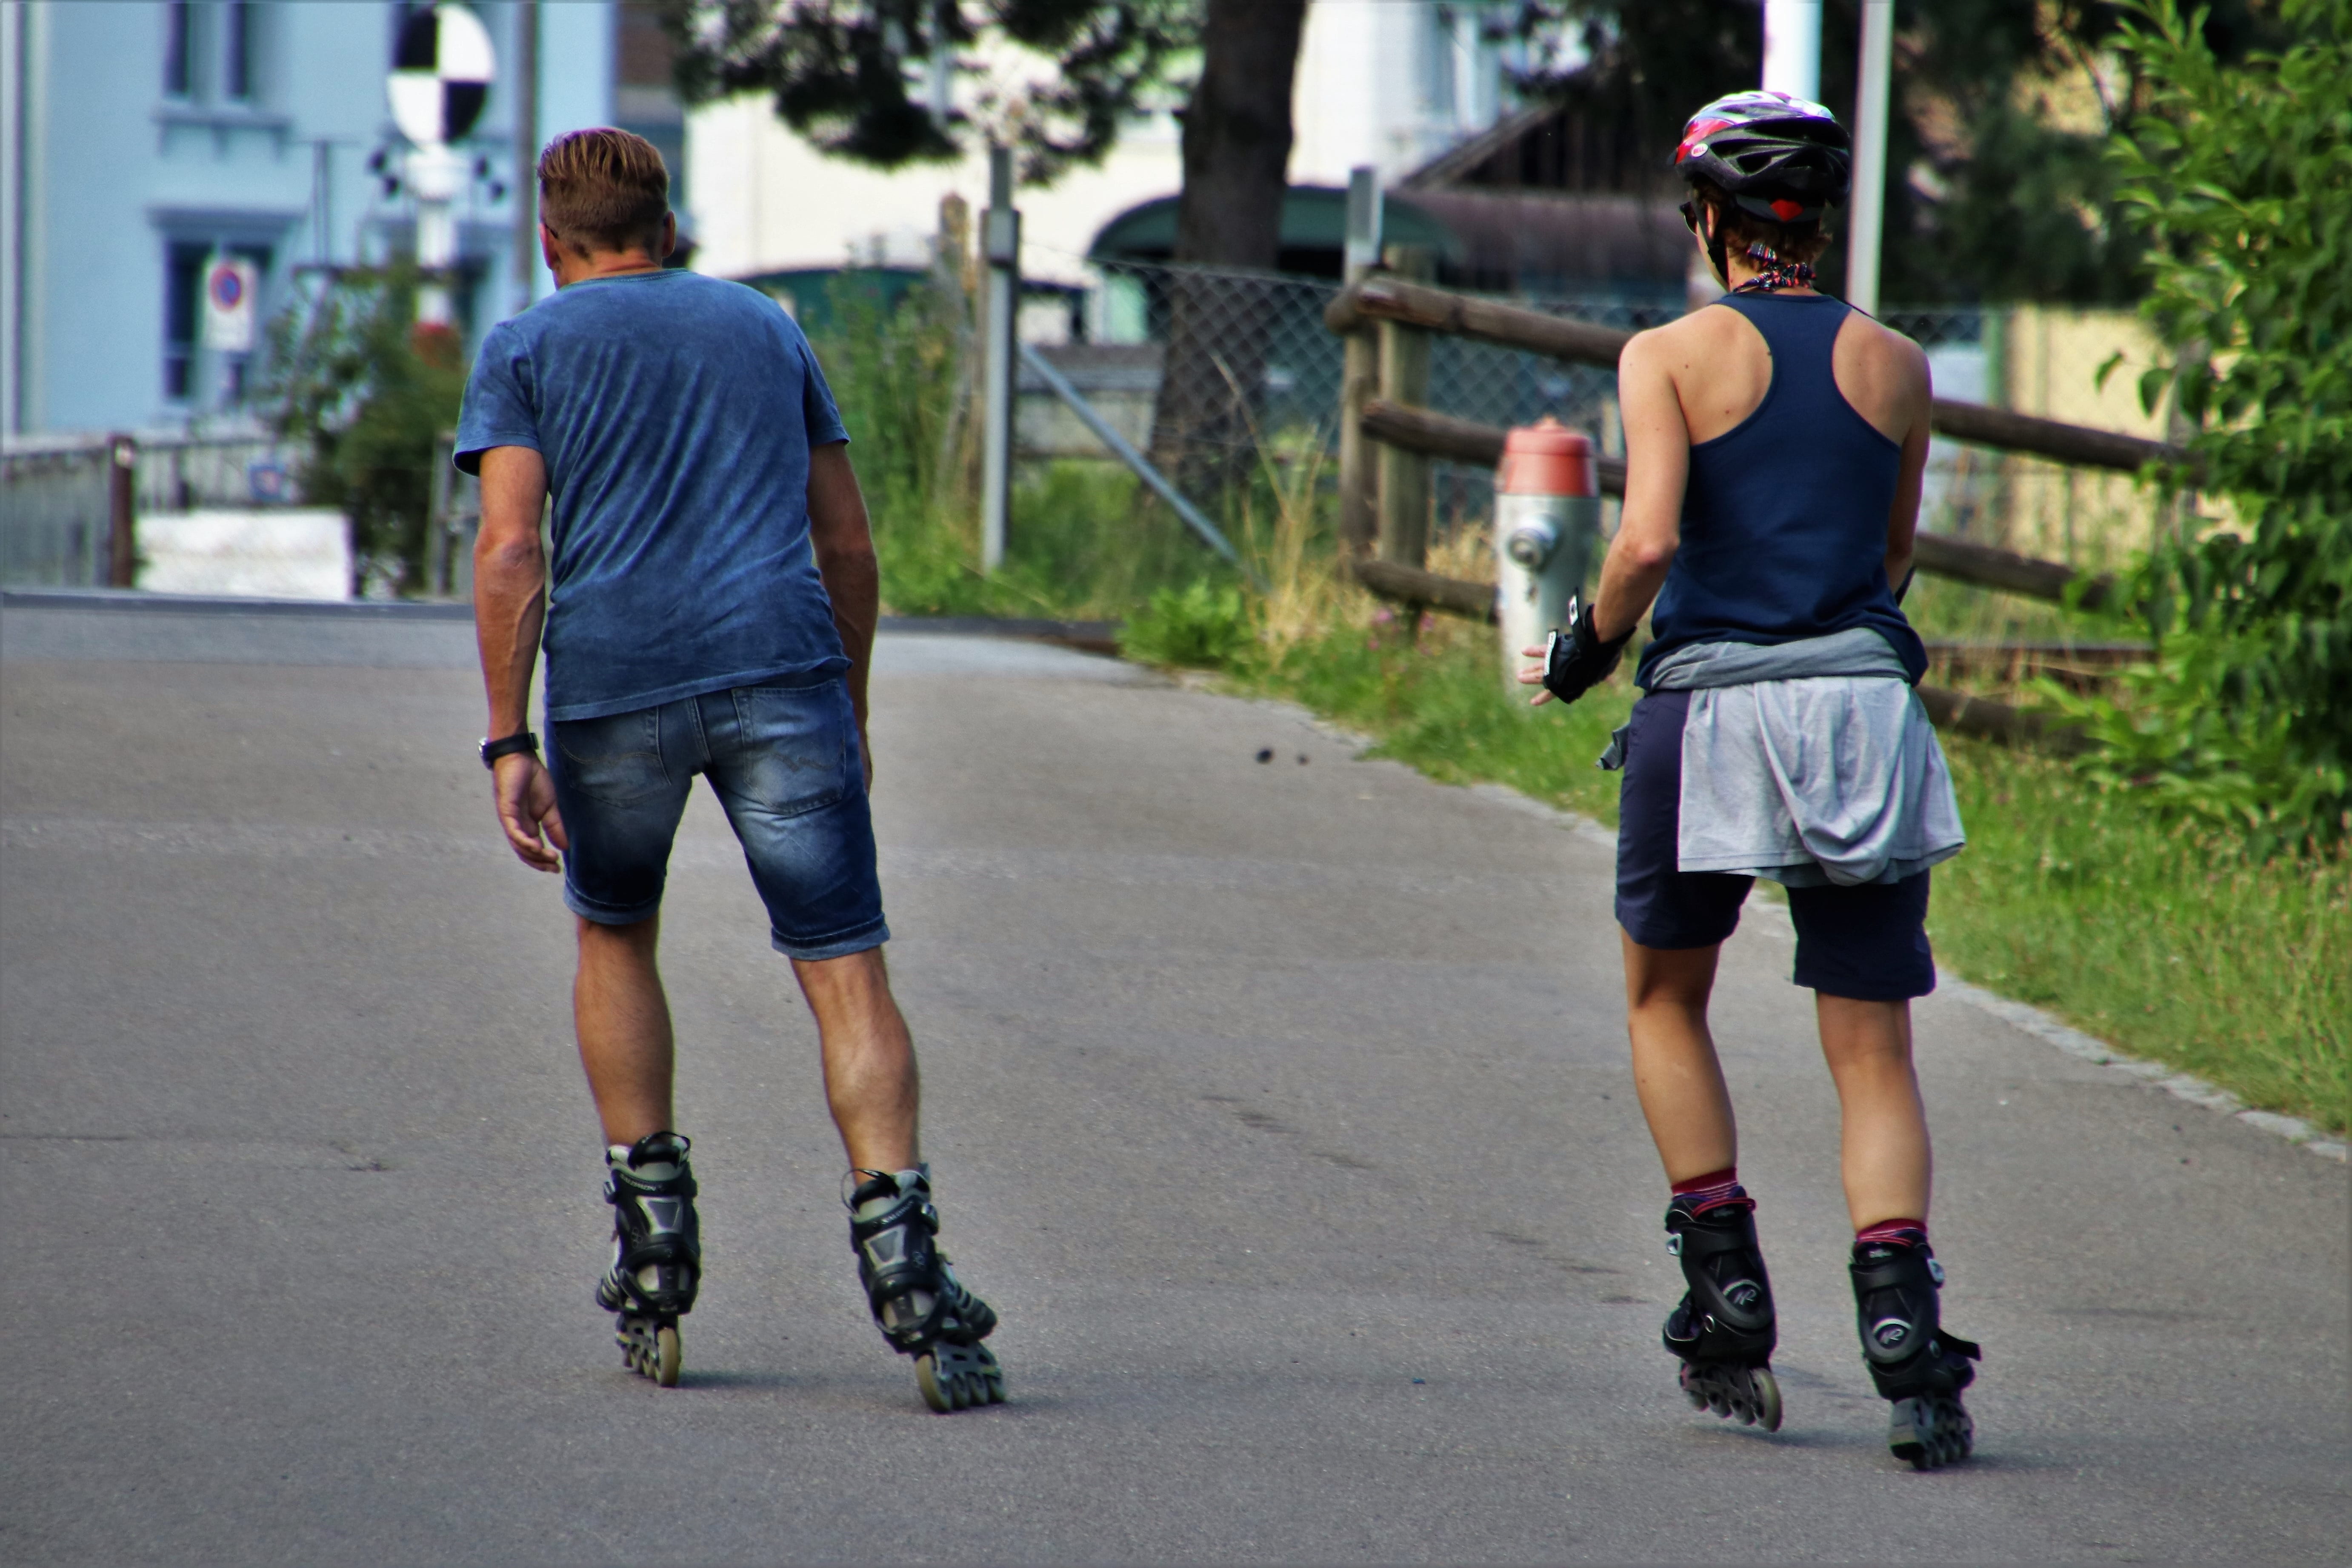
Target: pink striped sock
1893,1233
1713,1190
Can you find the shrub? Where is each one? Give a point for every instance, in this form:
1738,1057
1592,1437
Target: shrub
368,395
1199,625
2242,178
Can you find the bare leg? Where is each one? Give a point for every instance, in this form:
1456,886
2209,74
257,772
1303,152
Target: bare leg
871,1083
1883,1147
1674,1068
622,1016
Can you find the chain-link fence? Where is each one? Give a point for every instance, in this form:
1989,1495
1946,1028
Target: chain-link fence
1210,368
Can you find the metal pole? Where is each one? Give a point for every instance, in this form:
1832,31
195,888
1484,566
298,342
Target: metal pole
435,175
16,165
526,152
1792,48
1866,218
1359,369
1000,249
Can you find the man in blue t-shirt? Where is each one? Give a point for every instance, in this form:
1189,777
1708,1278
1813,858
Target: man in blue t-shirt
709,607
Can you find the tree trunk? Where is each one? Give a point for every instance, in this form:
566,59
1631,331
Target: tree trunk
1236,145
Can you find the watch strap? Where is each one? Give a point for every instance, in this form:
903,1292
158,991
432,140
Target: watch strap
507,746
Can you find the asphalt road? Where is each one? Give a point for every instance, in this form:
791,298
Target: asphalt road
1280,1107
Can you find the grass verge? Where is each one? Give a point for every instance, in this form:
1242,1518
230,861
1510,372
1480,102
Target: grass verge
2172,945
2169,945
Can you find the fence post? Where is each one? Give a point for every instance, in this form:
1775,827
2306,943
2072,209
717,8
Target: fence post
1404,378
121,513
1000,242
1359,373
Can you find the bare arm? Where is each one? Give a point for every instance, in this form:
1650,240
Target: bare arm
1658,467
843,541
1649,528
510,607
1902,519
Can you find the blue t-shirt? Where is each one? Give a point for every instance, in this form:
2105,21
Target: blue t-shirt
674,412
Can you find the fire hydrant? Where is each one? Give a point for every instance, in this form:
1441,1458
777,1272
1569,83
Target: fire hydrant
1547,529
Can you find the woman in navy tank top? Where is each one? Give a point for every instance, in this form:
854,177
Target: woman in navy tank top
1774,448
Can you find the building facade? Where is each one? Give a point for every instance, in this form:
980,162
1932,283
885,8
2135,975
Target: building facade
145,141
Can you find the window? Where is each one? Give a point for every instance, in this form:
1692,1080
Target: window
178,19
236,51
183,277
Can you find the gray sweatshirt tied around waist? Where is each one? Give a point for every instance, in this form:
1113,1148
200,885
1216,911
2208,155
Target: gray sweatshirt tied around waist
1809,763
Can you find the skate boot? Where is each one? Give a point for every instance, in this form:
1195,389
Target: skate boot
1911,1358
657,1252
1724,1330
922,1309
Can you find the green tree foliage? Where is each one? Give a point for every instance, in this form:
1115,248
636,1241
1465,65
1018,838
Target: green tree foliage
2242,178
1994,197
863,78
369,394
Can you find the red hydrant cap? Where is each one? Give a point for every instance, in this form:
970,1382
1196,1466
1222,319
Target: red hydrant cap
1547,458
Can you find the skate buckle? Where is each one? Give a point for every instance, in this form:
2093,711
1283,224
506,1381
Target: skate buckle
1674,1244
1936,1272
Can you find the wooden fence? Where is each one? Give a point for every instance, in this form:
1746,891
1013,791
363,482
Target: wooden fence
1383,316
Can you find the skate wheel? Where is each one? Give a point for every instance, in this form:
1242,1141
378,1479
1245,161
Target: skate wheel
957,1377
1767,1394
1930,1432
670,1357
940,1392
1750,1395
1688,1379
630,1335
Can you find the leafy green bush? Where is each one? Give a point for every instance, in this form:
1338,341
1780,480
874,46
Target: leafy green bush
1200,625
368,393
2242,178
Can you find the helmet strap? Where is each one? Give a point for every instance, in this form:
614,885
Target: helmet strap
1711,230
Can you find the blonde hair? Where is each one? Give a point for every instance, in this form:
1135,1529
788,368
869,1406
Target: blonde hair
604,190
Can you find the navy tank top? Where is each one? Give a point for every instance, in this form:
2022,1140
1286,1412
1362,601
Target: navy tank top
1784,517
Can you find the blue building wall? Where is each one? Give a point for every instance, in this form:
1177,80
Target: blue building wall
121,185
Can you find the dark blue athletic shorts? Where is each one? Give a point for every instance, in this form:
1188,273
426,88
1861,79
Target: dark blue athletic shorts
785,764
1868,942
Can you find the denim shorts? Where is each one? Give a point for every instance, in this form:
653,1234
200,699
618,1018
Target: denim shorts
785,764
1868,942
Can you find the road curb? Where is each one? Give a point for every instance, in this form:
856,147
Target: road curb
2019,1015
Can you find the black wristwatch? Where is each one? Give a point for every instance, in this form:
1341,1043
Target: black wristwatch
507,746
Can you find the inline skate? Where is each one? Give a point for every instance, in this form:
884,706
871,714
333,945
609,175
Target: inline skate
657,1252
922,1309
1912,1360
1724,1330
